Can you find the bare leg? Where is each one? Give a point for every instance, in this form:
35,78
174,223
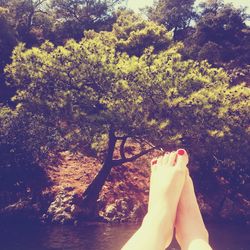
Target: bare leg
167,179
191,232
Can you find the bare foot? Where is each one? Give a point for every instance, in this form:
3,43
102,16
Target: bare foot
191,232
168,174
167,180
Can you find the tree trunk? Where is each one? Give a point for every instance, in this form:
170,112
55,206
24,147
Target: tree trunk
91,194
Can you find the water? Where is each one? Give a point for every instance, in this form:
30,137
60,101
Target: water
104,237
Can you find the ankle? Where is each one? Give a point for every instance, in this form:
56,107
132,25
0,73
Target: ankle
187,237
198,244
158,222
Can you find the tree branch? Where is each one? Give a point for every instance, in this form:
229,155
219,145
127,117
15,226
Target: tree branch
111,143
120,138
122,146
142,140
133,158
41,11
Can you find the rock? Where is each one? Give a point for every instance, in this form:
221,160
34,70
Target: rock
75,210
123,210
63,209
69,189
20,205
62,218
227,210
205,208
23,209
68,208
110,210
124,206
138,212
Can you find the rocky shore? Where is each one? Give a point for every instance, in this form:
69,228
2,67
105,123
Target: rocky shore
123,197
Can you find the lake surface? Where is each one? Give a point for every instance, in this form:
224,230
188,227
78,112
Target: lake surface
104,237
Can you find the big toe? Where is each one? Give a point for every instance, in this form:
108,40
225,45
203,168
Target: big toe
182,158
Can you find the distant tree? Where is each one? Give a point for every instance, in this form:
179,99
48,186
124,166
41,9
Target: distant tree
134,34
22,178
89,94
76,16
31,19
173,14
28,21
7,38
34,21
8,41
220,30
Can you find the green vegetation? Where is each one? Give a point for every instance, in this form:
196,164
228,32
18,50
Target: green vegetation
132,82
173,14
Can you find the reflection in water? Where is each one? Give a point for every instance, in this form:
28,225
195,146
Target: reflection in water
58,237
93,236
103,237
229,237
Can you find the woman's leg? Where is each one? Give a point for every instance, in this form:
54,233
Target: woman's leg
191,232
168,175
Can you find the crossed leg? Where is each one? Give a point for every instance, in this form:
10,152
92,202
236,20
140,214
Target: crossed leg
168,175
191,232
172,202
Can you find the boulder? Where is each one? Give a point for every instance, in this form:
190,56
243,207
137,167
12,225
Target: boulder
64,208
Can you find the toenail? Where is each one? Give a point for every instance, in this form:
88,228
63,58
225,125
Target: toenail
154,162
181,152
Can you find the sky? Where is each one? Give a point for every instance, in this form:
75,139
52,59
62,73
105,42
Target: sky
137,4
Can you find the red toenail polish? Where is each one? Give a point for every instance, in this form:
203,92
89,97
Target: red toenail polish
181,152
154,162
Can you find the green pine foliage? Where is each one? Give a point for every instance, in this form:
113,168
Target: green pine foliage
69,96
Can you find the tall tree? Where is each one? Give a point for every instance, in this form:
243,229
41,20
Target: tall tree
31,19
220,34
173,14
8,40
27,21
135,34
75,16
89,94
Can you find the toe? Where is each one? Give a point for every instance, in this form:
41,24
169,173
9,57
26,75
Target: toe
156,162
160,160
153,164
171,159
165,159
181,158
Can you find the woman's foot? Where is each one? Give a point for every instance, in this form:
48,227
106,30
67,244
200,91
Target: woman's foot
168,174
191,232
167,179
